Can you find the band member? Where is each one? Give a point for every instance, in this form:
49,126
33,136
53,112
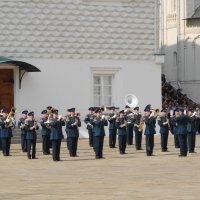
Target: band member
181,121
98,123
45,132
174,130
21,125
129,127
6,123
72,124
191,130
88,121
121,125
50,110
1,115
150,122
138,128
112,127
56,124
31,126
163,122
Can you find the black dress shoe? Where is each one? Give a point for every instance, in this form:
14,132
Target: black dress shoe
182,155
29,157
34,158
97,157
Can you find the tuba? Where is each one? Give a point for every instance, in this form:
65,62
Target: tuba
131,100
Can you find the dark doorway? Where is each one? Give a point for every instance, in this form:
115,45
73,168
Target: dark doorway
6,88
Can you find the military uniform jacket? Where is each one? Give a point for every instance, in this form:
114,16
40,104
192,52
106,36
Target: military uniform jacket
88,119
173,124
45,130
181,123
56,129
150,125
31,134
121,130
72,131
6,132
191,126
112,121
20,122
164,128
99,124
136,120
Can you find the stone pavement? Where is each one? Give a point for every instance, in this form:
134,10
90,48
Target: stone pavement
132,176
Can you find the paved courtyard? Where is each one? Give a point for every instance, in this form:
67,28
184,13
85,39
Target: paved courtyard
131,176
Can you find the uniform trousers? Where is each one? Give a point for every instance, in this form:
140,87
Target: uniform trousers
191,141
112,137
164,141
31,148
90,137
56,144
176,141
183,144
129,131
99,146
149,144
138,139
73,143
6,141
23,143
122,143
46,144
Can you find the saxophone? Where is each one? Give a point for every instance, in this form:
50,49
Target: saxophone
141,124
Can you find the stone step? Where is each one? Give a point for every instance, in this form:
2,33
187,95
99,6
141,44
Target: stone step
16,139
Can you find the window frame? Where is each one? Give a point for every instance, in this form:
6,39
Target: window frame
110,71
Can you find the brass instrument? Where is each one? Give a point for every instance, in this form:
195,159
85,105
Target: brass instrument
47,123
141,124
102,108
10,118
22,126
131,100
78,114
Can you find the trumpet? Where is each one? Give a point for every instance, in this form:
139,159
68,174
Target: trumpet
155,112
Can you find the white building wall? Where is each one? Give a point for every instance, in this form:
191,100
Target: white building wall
71,83
185,67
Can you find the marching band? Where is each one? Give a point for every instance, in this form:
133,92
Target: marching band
124,125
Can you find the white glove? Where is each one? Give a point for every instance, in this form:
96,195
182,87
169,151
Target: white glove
152,114
129,115
194,114
7,120
88,124
103,117
114,116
